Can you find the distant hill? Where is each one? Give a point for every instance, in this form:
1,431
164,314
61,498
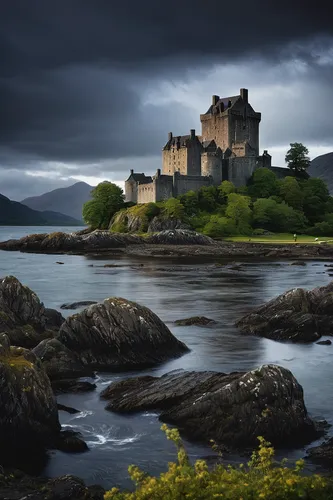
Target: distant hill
13,213
322,167
68,201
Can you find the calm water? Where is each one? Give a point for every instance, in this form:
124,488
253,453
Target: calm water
224,295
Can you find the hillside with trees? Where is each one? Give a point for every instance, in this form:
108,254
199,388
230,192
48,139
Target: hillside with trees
296,203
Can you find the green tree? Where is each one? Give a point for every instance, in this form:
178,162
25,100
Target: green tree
191,202
174,209
224,189
263,213
291,192
208,198
278,217
263,183
220,226
107,199
316,199
297,159
238,209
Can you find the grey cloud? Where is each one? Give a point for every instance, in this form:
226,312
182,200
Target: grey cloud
16,186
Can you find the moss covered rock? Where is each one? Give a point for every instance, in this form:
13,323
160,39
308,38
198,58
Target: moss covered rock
119,334
23,316
28,409
59,362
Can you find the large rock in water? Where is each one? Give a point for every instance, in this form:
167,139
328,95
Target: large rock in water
28,409
23,316
59,362
179,237
232,409
59,242
297,315
118,334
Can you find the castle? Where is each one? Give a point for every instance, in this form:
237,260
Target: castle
227,149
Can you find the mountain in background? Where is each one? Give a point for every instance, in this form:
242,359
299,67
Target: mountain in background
322,167
68,201
13,213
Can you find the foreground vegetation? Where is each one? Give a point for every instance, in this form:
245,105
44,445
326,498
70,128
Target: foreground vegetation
261,478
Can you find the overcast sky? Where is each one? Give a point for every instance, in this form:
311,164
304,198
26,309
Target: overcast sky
90,89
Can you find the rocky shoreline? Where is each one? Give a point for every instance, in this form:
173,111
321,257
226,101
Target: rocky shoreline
168,243
43,354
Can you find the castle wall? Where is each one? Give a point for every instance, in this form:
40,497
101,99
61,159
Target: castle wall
244,126
280,172
240,169
164,187
174,160
193,158
131,191
216,127
146,193
184,183
211,165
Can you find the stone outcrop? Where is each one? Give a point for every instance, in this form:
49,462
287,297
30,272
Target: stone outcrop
158,224
297,315
232,409
61,386
179,237
15,485
71,242
29,415
322,453
195,321
118,334
77,305
22,316
59,362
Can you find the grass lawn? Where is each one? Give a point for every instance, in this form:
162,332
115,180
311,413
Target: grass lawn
280,238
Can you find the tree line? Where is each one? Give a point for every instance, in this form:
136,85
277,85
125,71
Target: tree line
297,203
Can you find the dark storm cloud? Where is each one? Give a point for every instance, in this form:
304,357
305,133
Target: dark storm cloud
130,32
73,74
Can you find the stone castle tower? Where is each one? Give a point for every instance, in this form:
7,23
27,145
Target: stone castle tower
227,149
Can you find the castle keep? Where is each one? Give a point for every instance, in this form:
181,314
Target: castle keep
227,149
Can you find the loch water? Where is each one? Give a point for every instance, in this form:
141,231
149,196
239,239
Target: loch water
173,289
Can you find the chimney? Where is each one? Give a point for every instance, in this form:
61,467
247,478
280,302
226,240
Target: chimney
158,173
132,171
169,136
244,95
192,133
265,152
215,99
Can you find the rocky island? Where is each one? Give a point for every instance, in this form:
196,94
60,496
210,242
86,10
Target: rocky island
176,242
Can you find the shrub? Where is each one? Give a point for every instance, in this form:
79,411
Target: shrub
173,209
261,479
152,210
261,232
321,229
220,226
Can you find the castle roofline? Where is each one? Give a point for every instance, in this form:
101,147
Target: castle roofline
222,102
141,178
182,140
